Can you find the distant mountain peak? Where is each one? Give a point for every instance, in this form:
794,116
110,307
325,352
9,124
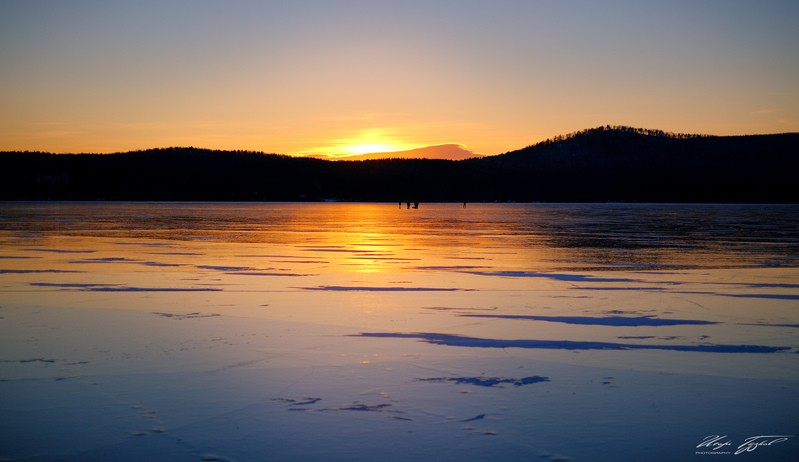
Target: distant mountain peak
448,151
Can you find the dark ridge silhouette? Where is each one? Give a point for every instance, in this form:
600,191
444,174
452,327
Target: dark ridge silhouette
597,165
630,164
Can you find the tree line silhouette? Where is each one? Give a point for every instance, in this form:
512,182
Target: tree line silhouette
620,129
609,163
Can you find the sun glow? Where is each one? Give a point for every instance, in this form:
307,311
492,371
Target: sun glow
370,148
367,141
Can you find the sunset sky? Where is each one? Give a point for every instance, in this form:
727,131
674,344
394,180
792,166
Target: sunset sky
347,77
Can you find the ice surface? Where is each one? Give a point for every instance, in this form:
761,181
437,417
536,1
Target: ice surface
341,332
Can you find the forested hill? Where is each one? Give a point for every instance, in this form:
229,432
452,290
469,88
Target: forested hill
629,164
596,165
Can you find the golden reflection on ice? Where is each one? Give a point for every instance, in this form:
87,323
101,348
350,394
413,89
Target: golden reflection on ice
378,267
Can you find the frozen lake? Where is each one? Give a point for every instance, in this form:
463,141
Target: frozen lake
329,331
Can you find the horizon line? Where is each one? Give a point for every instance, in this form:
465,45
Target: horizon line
330,157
